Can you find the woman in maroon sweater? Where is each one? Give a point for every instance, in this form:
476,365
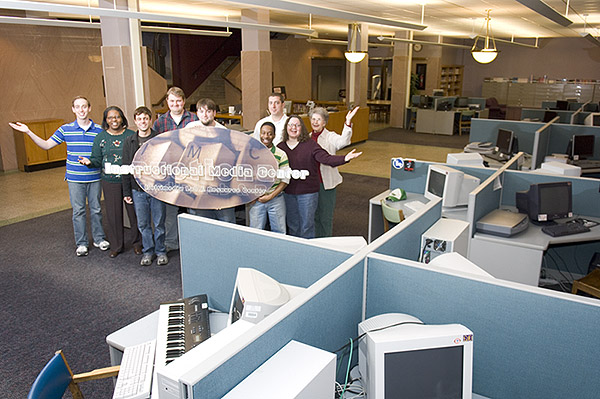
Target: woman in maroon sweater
302,194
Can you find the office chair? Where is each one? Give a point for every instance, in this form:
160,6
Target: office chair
464,121
56,377
390,215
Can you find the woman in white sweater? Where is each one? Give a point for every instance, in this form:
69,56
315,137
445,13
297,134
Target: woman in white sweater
330,176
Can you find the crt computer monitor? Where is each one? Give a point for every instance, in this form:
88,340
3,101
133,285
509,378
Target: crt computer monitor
582,147
451,185
256,295
545,202
400,357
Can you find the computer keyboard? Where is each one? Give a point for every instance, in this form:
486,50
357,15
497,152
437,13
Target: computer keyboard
498,156
135,376
565,229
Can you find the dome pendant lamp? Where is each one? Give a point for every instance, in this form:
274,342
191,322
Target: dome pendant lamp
488,53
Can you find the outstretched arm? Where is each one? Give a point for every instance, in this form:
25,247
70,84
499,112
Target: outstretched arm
43,144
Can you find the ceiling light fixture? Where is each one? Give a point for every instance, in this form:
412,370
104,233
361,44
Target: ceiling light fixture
488,53
353,55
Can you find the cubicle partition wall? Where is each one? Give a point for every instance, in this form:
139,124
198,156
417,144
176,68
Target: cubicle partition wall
536,138
541,141
212,251
487,130
325,315
404,239
586,191
414,180
528,342
561,134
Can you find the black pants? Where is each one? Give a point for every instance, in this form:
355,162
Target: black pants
116,232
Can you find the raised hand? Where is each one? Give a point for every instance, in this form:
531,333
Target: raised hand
352,154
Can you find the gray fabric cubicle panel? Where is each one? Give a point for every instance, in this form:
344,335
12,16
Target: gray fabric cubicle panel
528,342
211,252
327,321
404,240
487,130
586,192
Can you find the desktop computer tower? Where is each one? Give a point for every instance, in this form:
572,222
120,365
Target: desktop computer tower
446,235
297,371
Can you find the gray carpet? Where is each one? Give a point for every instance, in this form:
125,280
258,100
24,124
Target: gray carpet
404,136
53,300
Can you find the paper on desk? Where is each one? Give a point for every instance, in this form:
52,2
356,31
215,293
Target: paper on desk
497,184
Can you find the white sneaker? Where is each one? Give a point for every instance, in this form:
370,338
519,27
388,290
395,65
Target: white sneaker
103,245
146,260
162,260
82,250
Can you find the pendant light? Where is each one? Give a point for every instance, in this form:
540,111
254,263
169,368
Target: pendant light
488,53
352,55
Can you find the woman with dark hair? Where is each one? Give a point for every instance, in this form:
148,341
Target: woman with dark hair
108,149
302,195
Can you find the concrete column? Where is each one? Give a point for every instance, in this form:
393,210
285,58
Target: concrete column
357,75
401,72
256,67
124,60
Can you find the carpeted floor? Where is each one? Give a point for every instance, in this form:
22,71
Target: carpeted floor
404,136
53,300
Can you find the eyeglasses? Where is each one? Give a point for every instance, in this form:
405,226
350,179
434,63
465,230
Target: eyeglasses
294,125
113,117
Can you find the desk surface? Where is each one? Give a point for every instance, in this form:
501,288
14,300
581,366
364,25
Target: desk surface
534,238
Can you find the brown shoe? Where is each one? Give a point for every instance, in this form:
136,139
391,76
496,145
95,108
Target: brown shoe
113,254
137,250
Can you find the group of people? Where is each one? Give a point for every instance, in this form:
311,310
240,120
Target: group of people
304,205
300,207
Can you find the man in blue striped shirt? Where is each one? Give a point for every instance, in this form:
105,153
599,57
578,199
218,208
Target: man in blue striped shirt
84,183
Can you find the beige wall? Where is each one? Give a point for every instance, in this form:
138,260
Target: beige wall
42,69
292,64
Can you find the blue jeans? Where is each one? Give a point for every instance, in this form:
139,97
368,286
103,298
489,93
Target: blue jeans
224,215
301,210
79,193
150,210
275,209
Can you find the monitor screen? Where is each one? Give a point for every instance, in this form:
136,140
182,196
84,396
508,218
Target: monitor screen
425,373
582,147
504,141
436,183
549,115
562,105
596,120
554,200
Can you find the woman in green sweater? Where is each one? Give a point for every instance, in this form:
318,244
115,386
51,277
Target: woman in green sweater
108,149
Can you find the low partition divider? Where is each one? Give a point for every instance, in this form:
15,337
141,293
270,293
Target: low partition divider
528,342
404,239
325,316
488,195
586,191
